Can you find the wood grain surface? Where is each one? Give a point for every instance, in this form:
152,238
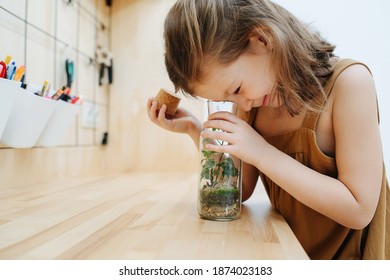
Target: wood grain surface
135,216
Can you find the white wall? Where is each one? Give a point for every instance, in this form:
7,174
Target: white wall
360,30
76,27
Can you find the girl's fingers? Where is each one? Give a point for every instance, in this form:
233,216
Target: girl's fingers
218,148
152,110
219,124
224,116
217,135
161,114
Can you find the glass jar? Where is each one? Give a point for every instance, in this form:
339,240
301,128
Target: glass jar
219,190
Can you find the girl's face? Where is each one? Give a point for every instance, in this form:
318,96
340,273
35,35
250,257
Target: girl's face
247,81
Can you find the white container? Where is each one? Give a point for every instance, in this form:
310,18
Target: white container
7,100
28,118
58,125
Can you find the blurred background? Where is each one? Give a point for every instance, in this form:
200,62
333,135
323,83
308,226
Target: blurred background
42,34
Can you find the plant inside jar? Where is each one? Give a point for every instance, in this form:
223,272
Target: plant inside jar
219,193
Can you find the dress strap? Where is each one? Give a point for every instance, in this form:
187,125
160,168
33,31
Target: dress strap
311,118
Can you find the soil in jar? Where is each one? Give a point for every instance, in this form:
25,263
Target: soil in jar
221,201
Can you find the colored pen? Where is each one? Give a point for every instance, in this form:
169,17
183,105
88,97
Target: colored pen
11,70
19,73
7,60
57,94
44,88
74,100
64,97
67,90
3,69
47,91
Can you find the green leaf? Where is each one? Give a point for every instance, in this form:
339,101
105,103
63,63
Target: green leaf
207,153
207,168
205,174
210,163
228,168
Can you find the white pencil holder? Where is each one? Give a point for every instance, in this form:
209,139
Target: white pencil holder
55,130
7,100
28,118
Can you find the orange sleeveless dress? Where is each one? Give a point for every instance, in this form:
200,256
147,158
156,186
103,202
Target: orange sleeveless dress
321,237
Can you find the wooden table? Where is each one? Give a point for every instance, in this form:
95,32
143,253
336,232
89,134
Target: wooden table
135,216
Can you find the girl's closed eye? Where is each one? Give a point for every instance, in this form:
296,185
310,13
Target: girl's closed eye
237,91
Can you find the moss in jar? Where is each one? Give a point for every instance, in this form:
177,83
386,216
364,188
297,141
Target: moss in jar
219,196
219,201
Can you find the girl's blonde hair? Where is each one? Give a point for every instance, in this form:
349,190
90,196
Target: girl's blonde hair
195,29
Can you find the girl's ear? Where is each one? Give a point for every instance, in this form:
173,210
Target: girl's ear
260,41
263,40
263,35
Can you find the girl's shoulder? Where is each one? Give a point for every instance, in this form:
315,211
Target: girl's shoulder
353,90
351,98
350,75
350,83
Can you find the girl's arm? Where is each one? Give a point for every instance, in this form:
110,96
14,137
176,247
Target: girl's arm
350,199
250,176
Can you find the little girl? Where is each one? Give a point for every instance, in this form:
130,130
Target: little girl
307,124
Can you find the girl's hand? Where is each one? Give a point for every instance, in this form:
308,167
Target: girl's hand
182,122
243,141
